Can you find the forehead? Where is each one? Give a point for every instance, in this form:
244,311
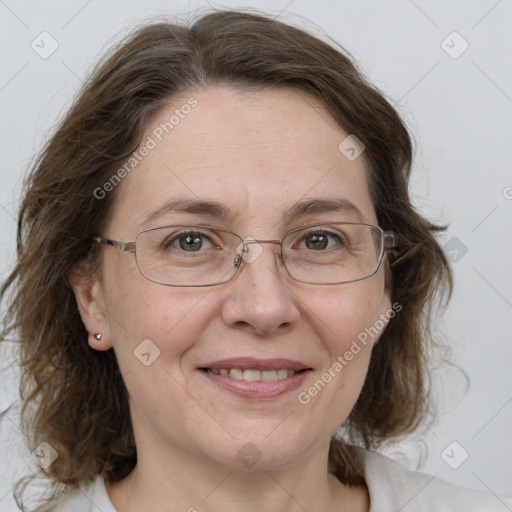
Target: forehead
257,153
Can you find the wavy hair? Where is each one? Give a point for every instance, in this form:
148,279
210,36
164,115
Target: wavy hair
73,397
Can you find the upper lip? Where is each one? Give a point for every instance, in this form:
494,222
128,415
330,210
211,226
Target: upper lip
251,363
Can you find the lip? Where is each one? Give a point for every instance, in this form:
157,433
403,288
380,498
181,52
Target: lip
251,363
256,389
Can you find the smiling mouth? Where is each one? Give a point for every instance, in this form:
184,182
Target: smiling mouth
251,375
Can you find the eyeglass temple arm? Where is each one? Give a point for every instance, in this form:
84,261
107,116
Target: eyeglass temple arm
120,246
390,240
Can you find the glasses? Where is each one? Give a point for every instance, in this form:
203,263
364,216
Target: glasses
200,255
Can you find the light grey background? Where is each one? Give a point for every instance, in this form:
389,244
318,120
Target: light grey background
460,112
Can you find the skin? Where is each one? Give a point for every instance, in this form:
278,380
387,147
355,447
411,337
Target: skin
258,153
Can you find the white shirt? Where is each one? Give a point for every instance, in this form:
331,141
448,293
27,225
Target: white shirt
392,488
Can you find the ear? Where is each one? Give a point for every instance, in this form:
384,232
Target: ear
385,305
386,312
88,292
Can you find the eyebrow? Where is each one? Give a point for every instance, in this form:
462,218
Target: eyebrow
315,206
223,212
197,206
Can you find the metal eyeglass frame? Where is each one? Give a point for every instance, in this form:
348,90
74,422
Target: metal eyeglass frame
389,241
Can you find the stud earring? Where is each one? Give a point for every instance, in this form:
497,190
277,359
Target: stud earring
98,336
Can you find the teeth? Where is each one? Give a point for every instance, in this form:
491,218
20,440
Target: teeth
270,375
236,373
282,374
254,375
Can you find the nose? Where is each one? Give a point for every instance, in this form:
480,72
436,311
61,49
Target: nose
260,299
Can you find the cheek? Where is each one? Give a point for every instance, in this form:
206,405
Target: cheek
348,323
145,317
349,313
154,329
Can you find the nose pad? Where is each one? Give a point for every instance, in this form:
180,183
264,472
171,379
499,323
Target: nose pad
250,250
237,261
241,250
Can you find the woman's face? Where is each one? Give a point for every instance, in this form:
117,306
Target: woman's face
256,154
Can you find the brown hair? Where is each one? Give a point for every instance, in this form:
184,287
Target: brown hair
73,396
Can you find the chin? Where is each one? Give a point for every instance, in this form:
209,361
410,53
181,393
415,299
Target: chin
260,454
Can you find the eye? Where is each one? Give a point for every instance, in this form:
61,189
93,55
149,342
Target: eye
188,241
321,240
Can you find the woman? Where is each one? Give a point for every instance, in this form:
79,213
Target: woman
229,268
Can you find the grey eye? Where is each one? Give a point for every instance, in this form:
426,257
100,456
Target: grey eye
191,241
319,240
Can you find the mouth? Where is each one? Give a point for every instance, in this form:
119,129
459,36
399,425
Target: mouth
250,375
256,378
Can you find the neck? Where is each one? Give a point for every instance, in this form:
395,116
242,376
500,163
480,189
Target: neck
192,483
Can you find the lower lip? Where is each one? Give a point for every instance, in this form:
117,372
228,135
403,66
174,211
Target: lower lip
257,389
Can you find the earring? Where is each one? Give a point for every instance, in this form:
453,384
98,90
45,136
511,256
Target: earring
98,336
